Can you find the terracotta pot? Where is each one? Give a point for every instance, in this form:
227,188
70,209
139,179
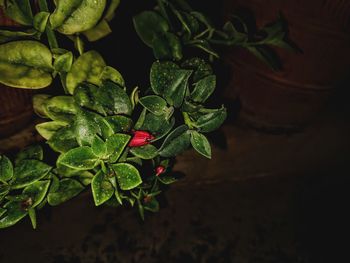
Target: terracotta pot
293,96
15,104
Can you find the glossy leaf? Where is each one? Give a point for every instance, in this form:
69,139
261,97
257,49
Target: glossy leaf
212,121
39,107
116,145
67,189
6,169
102,189
128,176
9,35
146,152
48,129
114,99
175,133
99,31
160,75
88,67
37,191
99,147
113,75
119,123
63,63
154,104
27,172
32,216
14,213
86,127
176,146
203,89
25,64
74,16
148,25
200,67
63,140
81,158
61,108
201,144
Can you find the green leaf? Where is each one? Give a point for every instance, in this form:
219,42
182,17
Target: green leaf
99,31
116,145
63,63
148,25
25,64
154,104
81,158
99,147
37,191
170,81
2,211
29,171
128,176
167,179
114,99
39,101
6,169
74,16
19,11
102,189
8,35
67,189
211,121
14,213
32,216
158,126
48,129
200,67
61,108
86,127
176,146
119,123
113,75
88,67
146,152
63,140
152,205
40,21
167,46
201,144
85,95
203,89
175,133
204,45
32,152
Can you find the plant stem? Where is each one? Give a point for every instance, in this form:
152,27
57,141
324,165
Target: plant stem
188,120
49,32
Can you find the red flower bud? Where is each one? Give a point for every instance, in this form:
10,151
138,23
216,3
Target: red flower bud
140,138
159,170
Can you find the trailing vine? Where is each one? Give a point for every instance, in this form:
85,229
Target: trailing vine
116,142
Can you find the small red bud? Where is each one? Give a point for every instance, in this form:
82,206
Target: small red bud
140,138
159,170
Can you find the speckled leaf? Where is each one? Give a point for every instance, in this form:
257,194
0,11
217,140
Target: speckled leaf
14,213
86,127
88,67
99,147
37,191
63,140
212,120
154,104
67,189
29,171
81,158
200,67
113,75
176,146
74,16
160,75
201,144
114,99
32,152
85,95
128,176
6,169
116,145
146,152
148,25
175,133
203,89
119,123
48,129
159,126
25,64
102,189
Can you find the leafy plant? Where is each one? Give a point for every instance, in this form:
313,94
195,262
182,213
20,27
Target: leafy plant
119,144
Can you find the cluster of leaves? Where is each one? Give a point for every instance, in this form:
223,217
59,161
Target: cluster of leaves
173,25
70,17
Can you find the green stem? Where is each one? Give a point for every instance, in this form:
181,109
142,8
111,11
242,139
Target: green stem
49,32
188,120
